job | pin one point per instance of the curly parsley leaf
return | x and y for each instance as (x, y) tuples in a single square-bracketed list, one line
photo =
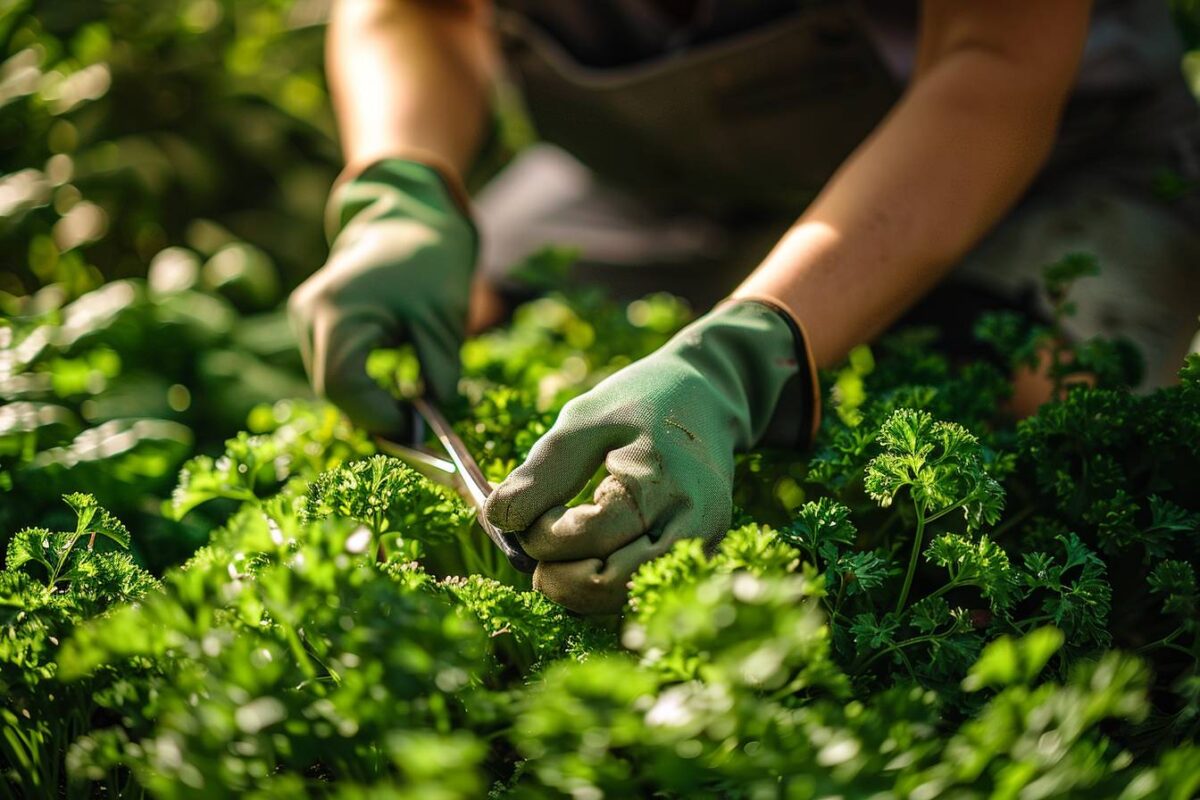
[(821, 528), (387, 496)]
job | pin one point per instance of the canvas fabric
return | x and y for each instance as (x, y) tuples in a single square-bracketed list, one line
[(665, 429), (399, 271)]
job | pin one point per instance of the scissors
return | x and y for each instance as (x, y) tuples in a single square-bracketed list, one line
[(461, 472)]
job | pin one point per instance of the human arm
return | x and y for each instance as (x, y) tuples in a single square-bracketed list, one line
[(409, 81), (410, 77), (964, 142)]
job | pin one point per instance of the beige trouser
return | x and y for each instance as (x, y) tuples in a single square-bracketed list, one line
[(1149, 250)]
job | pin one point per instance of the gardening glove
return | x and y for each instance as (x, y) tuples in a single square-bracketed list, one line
[(666, 428), (399, 271)]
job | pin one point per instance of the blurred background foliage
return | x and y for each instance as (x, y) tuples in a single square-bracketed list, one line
[(127, 127), (164, 170), (1187, 14)]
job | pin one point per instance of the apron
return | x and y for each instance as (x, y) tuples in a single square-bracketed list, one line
[(756, 121)]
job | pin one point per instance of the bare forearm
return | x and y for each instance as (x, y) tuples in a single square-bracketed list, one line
[(946, 164), (409, 76)]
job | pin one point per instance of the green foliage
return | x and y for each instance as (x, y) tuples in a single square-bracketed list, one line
[(142, 124), (1025, 344), (527, 630), (982, 564), (294, 440), (614, 727), (51, 582), (247, 460), (389, 497), (1175, 581), (310, 660), (942, 466), (55, 550), (750, 548), (940, 463), (821, 528), (558, 346), (1077, 595), (164, 168), (867, 640)]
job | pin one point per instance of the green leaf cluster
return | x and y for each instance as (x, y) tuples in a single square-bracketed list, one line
[(926, 606), (165, 166)]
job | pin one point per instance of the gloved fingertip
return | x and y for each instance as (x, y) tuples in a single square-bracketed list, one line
[(504, 508), (584, 586), (591, 530), (559, 466)]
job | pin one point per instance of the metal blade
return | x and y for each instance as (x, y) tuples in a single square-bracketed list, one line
[(439, 470), (475, 482)]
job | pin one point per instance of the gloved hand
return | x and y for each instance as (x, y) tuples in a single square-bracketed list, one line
[(666, 428), (399, 271)]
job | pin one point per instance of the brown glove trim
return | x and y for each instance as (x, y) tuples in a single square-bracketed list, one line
[(449, 175), (810, 383)]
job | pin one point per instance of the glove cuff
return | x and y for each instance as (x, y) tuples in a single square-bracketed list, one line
[(417, 172), (797, 413)]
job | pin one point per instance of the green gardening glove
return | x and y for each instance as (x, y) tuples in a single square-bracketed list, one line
[(666, 428), (399, 272)]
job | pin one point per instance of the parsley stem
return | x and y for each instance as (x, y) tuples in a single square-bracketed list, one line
[(897, 647), (912, 673), (837, 604), (62, 561), (948, 509), (1163, 642), (298, 652), (912, 560), (946, 587)]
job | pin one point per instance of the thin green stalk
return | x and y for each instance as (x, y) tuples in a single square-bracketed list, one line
[(949, 509), (912, 561), (298, 651), (332, 673), (944, 588), (837, 604), (912, 673), (898, 646), (62, 561), (470, 556), (1165, 642)]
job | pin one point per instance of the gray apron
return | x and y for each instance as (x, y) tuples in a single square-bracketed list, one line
[(756, 121)]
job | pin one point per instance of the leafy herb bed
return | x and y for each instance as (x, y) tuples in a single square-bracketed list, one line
[(936, 602)]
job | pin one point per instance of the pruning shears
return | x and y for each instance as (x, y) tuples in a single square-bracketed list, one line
[(461, 472)]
